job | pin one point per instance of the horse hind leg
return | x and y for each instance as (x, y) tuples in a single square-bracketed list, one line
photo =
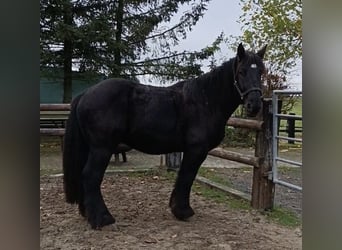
[(94, 207)]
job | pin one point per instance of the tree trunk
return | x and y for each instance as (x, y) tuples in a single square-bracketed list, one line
[(68, 49), (118, 38)]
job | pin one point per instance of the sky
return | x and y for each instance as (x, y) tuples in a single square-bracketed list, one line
[(222, 16)]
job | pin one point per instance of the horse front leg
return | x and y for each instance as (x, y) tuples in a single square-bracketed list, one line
[(180, 197), (92, 176)]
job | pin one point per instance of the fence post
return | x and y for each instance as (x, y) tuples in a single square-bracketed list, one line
[(263, 188), (173, 161), (291, 127)]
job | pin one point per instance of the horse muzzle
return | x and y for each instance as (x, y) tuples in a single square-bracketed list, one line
[(253, 103)]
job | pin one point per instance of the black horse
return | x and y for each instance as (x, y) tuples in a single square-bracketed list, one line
[(189, 117)]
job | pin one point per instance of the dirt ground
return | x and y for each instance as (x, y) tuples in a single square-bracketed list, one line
[(140, 205)]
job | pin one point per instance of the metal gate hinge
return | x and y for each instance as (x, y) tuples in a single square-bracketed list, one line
[(269, 175)]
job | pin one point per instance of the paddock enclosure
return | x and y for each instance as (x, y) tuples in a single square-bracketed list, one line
[(139, 201), (265, 160), (144, 220)]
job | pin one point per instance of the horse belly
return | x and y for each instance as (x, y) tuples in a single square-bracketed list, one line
[(154, 122), (152, 143)]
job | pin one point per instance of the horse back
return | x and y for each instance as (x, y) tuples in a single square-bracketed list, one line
[(156, 119), (144, 117)]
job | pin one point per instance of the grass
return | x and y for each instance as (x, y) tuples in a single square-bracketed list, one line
[(296, 109), (288, 170), (278, 215), (212, 193), (220, 197), (283, 217), (213, 175)]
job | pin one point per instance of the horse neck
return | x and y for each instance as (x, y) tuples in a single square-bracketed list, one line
[(219, 91)]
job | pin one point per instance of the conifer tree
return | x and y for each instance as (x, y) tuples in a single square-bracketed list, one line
[(121, 38)]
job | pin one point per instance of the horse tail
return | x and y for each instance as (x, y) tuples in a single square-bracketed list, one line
[(75, 154)]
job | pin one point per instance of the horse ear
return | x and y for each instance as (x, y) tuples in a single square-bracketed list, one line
[(262, 51), (241, 52)]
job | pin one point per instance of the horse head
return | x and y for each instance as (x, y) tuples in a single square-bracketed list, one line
[(248, 68)]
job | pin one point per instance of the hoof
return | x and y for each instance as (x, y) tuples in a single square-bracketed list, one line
[(101, 221), (182, 214), (82, 210)]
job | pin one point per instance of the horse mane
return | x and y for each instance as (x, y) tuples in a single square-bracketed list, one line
[(217, 83), (207, 86), (217, 76)]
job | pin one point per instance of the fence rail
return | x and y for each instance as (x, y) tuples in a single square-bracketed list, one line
[(233, 156), (53, 118), (52, 131), (262, 188), (245, 123), (55, 107), (52, 123)]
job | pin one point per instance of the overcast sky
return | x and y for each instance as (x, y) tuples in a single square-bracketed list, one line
[(222, 16)]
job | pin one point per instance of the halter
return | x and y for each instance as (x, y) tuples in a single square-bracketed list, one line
[(242, 94)]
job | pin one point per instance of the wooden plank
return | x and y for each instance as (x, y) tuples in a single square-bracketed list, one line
[(55, 106), (245, 123), (54, 112), (234, 192), (53, 118), (233, 156), (52, 131), (117, 171)]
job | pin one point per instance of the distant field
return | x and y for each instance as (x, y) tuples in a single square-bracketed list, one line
[(297, 110)]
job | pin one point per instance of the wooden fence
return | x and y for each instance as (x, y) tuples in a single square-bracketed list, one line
[(262, 187), (53, 118)]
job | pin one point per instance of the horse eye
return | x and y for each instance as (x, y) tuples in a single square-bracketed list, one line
[(243, 72)]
